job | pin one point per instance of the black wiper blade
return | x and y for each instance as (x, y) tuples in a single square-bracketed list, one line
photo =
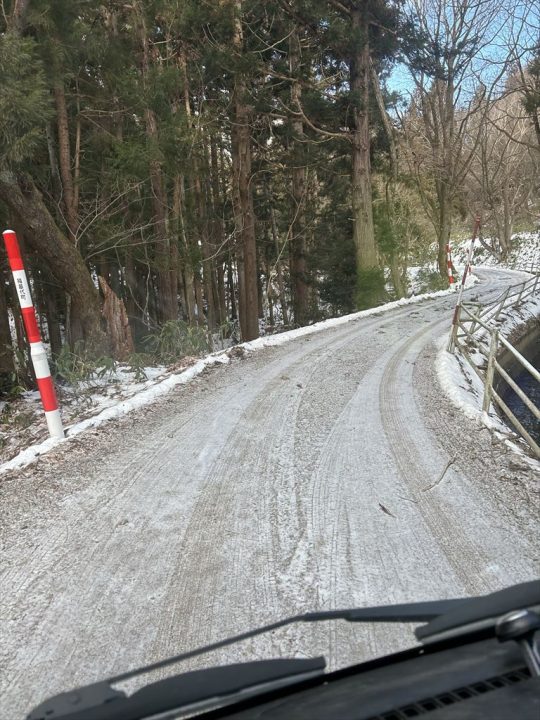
[(482, 610), (76, 703), (100, 702), (442, 615), (407, 612)]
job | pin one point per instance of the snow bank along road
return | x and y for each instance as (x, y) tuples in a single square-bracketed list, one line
[(301, 477)]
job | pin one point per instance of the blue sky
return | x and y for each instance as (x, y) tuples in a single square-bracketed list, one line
[(495, 52)]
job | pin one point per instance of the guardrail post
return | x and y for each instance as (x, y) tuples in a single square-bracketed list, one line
[(455, 325), (490, 370), (501, 306), (474, 323)]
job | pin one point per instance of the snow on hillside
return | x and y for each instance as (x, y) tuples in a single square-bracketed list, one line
[(525, 253)]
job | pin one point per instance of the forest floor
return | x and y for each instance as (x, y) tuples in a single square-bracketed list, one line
[(327, 472)]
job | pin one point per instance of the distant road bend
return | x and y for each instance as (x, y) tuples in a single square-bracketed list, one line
[(328, 472)]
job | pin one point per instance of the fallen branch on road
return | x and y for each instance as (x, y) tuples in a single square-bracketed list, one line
[(448, 464)]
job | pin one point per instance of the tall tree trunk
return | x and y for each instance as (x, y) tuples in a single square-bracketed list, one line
[(241, 291), (391, 184), (446, 182), (244, 215), (70, 193), (177, 215), (270, 293), (7, 366), (201, 211), (222, 302), (298, 223), (77, 161), (395, 275), (166, 275), (187, 272), (218, 231), (56, 181), (230, 286), (279, 272), (444, 227), (167, 284), (17, 19), (64, 157), (207, 264), (199, 298), (260, 290), (370, 282), (63, 259), (134, 312), (506, 235), (189, 293), (52, 315)]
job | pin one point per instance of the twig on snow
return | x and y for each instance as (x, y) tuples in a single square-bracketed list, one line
[(407, 499), (386, 510), (430, 487)]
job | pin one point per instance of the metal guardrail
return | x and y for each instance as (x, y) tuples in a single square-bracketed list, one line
[(532, 267), (473, 331)]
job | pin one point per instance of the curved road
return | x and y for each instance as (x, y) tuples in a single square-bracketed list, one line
[(301, 477)]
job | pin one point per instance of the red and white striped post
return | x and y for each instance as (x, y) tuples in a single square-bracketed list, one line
[(451, 279), (37, 350)]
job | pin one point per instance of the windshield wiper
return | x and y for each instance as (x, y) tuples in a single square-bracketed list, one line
[(100, 701), (480, 612), (84, 703)]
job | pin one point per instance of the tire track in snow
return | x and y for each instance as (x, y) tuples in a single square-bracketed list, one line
[(268, 461), (263, 498), (337, 456), (283, 539), (408, 452), (461, 516), (134, 484), (117, 581)]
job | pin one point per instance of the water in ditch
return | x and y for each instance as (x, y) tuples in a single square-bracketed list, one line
[(531, 388)]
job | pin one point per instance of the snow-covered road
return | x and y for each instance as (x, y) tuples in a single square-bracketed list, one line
[(301, 477)]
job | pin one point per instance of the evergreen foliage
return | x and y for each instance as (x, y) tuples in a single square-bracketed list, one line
[(25, 104)]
